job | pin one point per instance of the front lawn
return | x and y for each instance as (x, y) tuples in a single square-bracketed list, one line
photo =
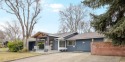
[(6, 56), (3, 49)]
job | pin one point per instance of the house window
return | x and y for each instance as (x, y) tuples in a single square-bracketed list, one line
[(71, 43), (62, 44)]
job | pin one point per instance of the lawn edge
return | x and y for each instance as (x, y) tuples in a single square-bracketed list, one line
[(23, 58), (29, 57)]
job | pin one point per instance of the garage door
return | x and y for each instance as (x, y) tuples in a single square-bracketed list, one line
[(83, 45), (31, 45)]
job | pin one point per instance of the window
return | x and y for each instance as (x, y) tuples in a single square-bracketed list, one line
[(62, 44), (70, 43)]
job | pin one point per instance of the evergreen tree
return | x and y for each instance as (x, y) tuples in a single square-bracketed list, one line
[(112, 22)]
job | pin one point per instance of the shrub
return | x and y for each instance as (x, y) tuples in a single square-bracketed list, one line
[(24, 50), (15, 46), (41, 45)]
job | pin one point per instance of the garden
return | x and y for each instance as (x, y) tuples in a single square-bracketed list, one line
[(15, 50)]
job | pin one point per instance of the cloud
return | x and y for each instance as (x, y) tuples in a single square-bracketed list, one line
[(56, 7), (48, 5)]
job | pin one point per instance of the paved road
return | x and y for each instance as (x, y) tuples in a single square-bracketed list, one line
[(71, 57)]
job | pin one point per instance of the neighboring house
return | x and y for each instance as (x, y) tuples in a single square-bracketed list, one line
[(66, 41)]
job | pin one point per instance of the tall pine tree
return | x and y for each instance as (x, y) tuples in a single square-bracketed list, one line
[(112, 22)]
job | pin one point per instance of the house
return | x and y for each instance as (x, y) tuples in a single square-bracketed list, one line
[(71, 41)]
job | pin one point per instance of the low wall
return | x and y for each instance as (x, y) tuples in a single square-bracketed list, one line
[(106, 48)]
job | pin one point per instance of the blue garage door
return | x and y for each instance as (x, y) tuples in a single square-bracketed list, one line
[(83, 45), (31, 45)]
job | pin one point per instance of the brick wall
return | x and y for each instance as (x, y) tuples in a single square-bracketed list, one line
[(106, 48)]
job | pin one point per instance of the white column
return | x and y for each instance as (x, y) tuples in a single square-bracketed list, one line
[(58, 44), (65, 43), (92, 40)]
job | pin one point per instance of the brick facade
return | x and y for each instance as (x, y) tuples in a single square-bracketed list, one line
[(106, 48)]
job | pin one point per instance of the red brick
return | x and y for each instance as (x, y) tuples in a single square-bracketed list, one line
[(106, 48)]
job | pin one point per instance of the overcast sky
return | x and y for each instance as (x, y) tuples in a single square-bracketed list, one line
[(50, 14)]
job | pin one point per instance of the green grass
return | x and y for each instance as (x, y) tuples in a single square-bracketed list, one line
[(3, 49), (6, 56)]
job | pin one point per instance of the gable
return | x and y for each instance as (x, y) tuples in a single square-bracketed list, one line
[(40, 35)]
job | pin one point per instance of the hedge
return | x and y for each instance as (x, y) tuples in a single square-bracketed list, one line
[(15, 46)]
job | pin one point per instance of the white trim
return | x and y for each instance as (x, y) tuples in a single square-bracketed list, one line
[(65, 43), (58, 44), (41, 39), (44, 44), (61, 48), (92, 40)]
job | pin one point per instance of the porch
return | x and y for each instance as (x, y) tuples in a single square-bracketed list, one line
[(41, 37), (50, 42)]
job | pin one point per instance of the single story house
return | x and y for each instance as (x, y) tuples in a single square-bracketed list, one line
[(71, 41)]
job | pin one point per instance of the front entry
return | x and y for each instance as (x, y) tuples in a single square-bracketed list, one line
[(41, 45)]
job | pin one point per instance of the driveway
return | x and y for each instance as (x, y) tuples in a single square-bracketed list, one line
[(70, 57)]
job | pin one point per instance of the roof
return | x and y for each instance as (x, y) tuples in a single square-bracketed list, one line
[(44, 34), (62, 35), (41, 34), (87, 36)]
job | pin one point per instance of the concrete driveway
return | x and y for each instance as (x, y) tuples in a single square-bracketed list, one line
[(71, 57)]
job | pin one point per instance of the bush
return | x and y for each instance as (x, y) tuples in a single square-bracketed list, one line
[(15, 46), (24, 50), (41, 45)]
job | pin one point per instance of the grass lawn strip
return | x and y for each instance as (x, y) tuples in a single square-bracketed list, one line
[(7, 56)]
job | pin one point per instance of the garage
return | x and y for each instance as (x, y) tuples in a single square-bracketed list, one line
[(31, 45), (85, 45), (83, 41)]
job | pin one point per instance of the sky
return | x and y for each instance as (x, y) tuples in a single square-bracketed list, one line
[(49, 21)]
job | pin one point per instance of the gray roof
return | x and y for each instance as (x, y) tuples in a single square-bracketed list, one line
[(59, 35), (62, 35), (87, 36)]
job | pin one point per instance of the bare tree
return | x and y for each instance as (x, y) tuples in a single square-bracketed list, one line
[(87, 27), (72, 19), (12, 31), (27, 13), (2, 36)]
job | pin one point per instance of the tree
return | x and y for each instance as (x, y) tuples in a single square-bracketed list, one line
[(72, 19), (27, 13), (2, 36), (12, 31), (112, 22), (87, 27)]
